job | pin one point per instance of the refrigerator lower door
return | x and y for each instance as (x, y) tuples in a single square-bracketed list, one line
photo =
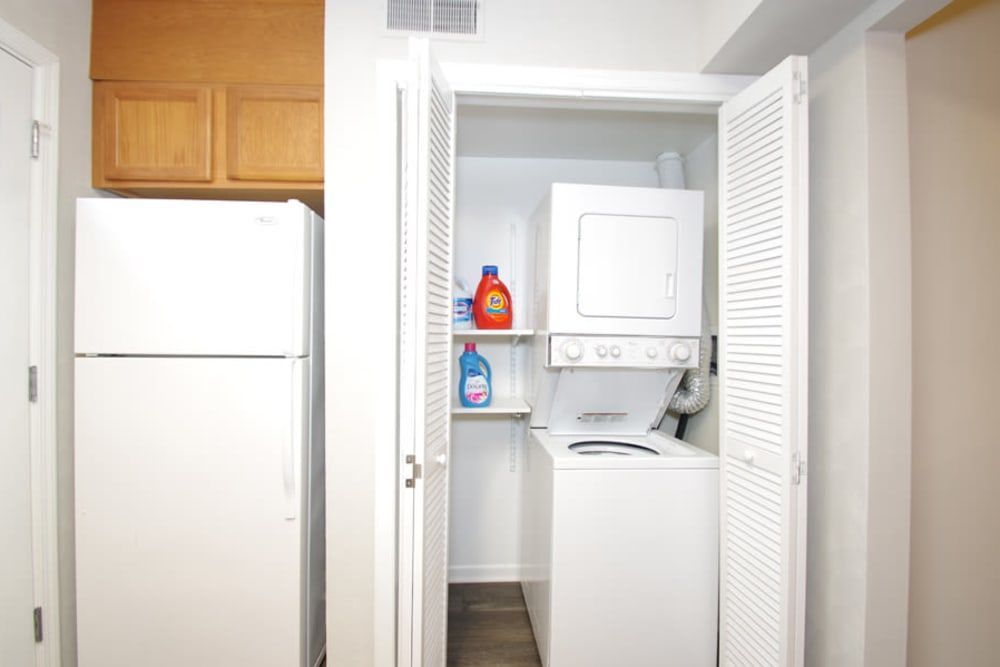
[(189, 502)]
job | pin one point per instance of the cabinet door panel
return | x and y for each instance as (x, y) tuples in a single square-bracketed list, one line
[(154, 132), (274, 133)]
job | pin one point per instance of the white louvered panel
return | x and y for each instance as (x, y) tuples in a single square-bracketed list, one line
[(760, 279), (762, 364), (746, 232), (759, 288), (425, 362), (436, 138), (741, 224)]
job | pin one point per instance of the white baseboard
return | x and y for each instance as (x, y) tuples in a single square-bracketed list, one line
[(479, 574)]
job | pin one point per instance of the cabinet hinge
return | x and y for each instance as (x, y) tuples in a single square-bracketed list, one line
[(798, 468), (799, 87), (417, 471), (33, 384), (36, 139), (37, 617)]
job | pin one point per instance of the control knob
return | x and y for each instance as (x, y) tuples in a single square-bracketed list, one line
[(680, 352), (601, 351), (572, 350), (616, 351)]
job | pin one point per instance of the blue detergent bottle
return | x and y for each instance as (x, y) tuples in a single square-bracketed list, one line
[(475, 380)]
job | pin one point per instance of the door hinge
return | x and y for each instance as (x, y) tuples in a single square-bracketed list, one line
[(798, 468), (799, 87), (36, 139), (411, 460), (33, 384), (37, 616)]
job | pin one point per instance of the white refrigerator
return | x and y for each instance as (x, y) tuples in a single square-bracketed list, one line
[(199, 434)]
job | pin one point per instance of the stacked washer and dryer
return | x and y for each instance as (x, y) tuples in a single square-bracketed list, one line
[(620, 521)]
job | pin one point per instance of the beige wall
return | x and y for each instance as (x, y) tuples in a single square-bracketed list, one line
[(63, 27), (859, 410), (953, 69)]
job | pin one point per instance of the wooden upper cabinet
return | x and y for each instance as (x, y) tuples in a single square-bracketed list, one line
[(274, 133), (235, 41), (153, 132), (208, 98)]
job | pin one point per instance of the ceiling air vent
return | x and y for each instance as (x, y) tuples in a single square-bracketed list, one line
[(441, 17)]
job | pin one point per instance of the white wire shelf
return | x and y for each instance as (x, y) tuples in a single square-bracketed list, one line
[(491, 334), (499, 406)]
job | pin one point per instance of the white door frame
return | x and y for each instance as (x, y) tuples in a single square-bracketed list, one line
[(42, 335), (495, 84)]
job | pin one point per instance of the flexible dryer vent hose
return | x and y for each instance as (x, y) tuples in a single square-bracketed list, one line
[(693, 394)]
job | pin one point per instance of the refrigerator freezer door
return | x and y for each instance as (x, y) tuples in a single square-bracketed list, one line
[(189, 501), (172, 277)]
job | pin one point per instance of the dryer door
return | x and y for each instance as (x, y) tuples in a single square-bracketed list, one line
[(628, 266), (621, 261)]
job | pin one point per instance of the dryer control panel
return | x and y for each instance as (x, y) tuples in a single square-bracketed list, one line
[(622, 351)]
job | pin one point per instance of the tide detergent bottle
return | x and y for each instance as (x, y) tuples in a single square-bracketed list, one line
[(491, 306), (475, 379)]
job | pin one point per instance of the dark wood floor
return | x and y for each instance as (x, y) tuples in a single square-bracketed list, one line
[(488, 625)]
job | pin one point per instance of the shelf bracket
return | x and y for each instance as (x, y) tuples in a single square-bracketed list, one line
[(515, 287)]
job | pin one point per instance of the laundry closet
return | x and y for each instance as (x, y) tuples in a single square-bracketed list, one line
[(475, 166), (507, 159)]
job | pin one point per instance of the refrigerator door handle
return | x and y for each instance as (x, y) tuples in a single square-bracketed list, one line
[(296, 437)]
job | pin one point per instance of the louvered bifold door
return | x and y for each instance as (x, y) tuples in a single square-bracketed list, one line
[(426, 244), (763, 255)]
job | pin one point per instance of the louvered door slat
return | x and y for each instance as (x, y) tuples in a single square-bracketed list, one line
[(762, 365)]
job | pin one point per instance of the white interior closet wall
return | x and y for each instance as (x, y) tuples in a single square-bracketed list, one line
[(495, 200)]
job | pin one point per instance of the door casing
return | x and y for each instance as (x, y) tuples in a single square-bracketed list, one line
[(538, 86), (42, 335)]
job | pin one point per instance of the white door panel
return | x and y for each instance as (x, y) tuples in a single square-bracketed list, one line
[(188, 523), (425, 362), (192, 278), (763, 288), (628, 266), (17, 645)]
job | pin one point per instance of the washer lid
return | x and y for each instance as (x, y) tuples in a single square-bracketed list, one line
[(608, 452)]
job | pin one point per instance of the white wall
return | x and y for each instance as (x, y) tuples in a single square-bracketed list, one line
[(719, 20), (361, 247), (953, 71), (748, 37), (63, 27), (493, 195), (860, 351)]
